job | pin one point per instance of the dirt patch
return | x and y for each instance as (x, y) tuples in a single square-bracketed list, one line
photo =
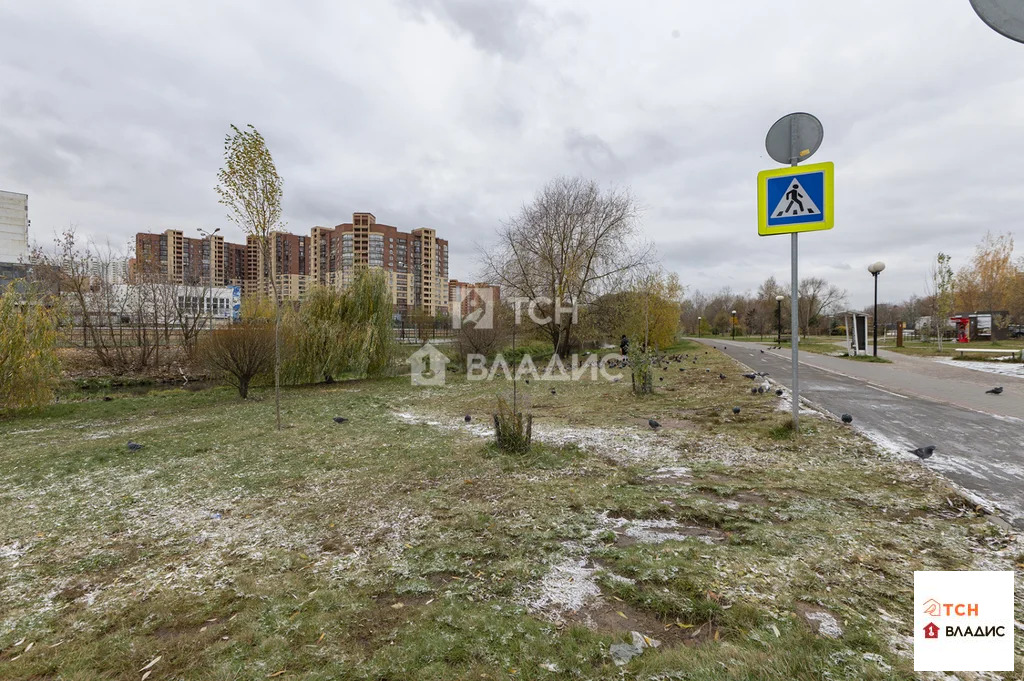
[(619, 618)]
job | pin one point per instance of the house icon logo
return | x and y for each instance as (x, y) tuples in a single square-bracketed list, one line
[(931, 630), (932, 607), (476, 308), (428, 366)]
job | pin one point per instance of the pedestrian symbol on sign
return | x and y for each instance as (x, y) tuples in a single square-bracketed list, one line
[(795, 202)]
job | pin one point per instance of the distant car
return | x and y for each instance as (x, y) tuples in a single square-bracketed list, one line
[(1017, 331)]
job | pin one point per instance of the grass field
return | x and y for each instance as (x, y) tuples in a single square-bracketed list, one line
[(401, 545)]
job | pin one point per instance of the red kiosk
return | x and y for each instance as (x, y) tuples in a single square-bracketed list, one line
[(963, 328)]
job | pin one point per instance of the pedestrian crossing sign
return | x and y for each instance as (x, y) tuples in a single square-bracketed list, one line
[(795, 199)]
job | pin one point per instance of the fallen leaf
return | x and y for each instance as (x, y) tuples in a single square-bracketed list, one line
[(151, 663), (716, 634), (621, 614), (29, 646), (270, 676), (775, 629), (322, 635), (396, 606), (146, 675)]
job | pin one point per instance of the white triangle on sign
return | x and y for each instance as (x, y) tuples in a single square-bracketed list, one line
[(795, 202)]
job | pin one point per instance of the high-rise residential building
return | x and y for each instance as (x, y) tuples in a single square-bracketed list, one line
[(416, 262), (181, 259), (13, 235), (290, 255)]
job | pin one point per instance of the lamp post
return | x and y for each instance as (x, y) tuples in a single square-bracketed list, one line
[(698, 326), (734, 324), (875, 269), (778, 315), (209, 296)]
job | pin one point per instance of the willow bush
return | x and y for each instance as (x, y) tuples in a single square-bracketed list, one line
[(29, 367), (337, 332)]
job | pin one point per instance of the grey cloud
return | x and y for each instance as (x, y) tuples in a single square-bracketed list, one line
[(504, 27)]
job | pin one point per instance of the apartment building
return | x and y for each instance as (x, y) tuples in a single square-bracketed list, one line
[(290, 255), (416, 262), (179, 259)]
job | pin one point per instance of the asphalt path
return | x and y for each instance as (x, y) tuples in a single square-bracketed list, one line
[(915, 402)]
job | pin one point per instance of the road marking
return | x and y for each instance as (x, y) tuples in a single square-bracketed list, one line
[(887, 392)]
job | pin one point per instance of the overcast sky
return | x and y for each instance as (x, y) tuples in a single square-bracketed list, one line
[(451, 113)]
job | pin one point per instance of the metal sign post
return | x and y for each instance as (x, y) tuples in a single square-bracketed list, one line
[(791, 201)]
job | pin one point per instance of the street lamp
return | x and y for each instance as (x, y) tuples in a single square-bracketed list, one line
[(778, 315), (875, 269), (734, 324), (209, 295), (698, 326)]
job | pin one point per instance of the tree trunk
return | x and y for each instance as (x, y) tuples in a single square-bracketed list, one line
[(277, 360), (243, 387)]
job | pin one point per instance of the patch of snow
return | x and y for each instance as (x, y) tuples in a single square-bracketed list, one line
[(567, 586), (828, 626), (1015, 369), (879, 660)]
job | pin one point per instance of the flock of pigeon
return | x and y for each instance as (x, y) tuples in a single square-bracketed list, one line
[(664, 363)]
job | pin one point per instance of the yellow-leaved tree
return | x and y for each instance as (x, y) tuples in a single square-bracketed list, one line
[(29, 367)]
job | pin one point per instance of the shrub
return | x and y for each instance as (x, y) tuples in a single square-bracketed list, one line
[(512, 430), (241, 352), (29, 367)]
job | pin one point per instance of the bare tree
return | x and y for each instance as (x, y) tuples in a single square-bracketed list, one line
[(250, 187), (566, 248), (818, 298)]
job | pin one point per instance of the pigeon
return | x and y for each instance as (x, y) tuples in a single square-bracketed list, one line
[(750, 376), (762, 352), (846, 418), (340, 419), (653, 424), (995, 391), (779, 392), (553, 391), (468, 418), (753, 391), (735, 410), (721, 376), (760, 390), (107, 398), (661, 378), (527, 381), (707, 371), (923, 452), (134, 446), (682, 369)]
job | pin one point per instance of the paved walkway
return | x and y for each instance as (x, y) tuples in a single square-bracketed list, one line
[(913, 402)]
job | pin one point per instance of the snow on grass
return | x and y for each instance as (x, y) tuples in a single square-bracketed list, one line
[(620, 445), (1015, 369), (567, 586)]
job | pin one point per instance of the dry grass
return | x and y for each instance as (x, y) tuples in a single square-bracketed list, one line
[(403, 545)]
